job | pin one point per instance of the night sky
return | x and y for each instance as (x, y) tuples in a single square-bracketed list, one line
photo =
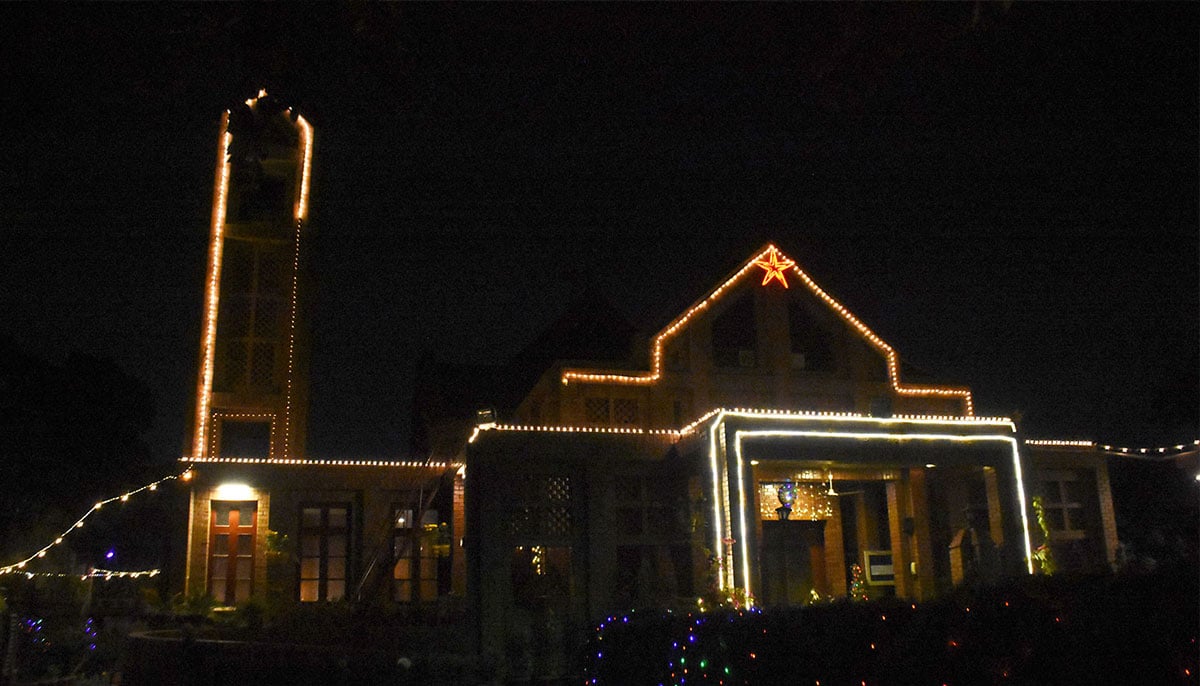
[(1006, 195)]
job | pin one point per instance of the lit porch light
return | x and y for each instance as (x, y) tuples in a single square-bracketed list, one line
[(231, 491)]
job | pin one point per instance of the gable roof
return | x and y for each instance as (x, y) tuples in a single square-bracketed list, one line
[(776, 266)]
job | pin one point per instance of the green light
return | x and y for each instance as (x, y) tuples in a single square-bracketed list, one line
[(703, 664)]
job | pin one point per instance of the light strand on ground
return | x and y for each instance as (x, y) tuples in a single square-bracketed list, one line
[(19, 567)]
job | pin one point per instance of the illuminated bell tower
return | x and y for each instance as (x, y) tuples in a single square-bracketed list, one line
[(252, 386)]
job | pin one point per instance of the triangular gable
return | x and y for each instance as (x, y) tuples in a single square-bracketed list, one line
[(771, 265)]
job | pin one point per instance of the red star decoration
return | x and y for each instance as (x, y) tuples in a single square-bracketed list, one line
[(774, 268)]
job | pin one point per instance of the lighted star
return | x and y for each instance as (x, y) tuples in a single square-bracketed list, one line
[(774, 268)]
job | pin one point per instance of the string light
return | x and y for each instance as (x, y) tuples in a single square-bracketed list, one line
[(306, 134), (771, 252), (213, 290), (17, 567), (212, 295), (1154, 451), (323, 463)]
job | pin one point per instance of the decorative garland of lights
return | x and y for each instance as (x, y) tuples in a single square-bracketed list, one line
[(18, 567), (1058, 443), (655, 373), (691, 427), (212, 294), (726, 647), (105, 574), (212, 438), (321, 463)]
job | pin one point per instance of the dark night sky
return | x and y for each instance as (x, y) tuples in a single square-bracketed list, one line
[(1008, 197)]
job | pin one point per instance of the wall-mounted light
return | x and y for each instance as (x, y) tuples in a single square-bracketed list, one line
[(233, 492)]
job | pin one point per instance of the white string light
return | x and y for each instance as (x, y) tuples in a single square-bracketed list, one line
[(105, 574), (19, 567), (1159, 450)]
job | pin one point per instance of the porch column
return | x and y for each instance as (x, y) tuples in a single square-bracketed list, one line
[(995, 521), (896, 493), (835, 554), (922, 540)]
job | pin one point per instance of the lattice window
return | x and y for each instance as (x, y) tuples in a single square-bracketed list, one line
[(262, 366), (542, 508), (596, 411), (625, 411)]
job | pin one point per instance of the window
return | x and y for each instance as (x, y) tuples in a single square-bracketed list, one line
[(231, 551), (1062, 495), (416, 548), (596, 411), (245, 439), (734, 339), (542, 508), (324, 551), (812, 349), (617, 412), (253, 317)]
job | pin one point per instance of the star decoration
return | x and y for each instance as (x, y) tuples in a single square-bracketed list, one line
[(774, 268)]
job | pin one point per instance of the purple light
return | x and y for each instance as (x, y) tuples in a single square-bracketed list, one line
[(109, 554)]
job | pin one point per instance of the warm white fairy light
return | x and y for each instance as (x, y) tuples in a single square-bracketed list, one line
[(236, 416), (1158, 450), (306, 135), (1058, 443), (321, 463), (741, 435), (656, 354), (16, 567), (213, 290)]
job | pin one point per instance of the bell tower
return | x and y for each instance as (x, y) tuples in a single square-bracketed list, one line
[(252, 385)]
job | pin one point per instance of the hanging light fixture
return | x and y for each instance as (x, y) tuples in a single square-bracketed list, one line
[(786, 492)]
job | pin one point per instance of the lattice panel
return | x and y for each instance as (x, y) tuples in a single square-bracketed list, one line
[(556, 521), (596, 410), (558, 489), (262, 366), (624, 411)]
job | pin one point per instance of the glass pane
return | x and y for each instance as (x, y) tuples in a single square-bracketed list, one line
[(402, 590), (245, 543), (404, 519), (337, 546), (220, 567), (308, 591), (310, 517), (220, 592), (243, 591), (221, 514), (246, 515), (428, 568), (337, 518), (335, 568), (428, 589), (1073, 492), (402, 569), (335, 590), (220, 544), (1054, 518), (245, 568), (310, 568), (310, 546)]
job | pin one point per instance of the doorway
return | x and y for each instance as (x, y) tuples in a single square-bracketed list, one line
[(793, 562)]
